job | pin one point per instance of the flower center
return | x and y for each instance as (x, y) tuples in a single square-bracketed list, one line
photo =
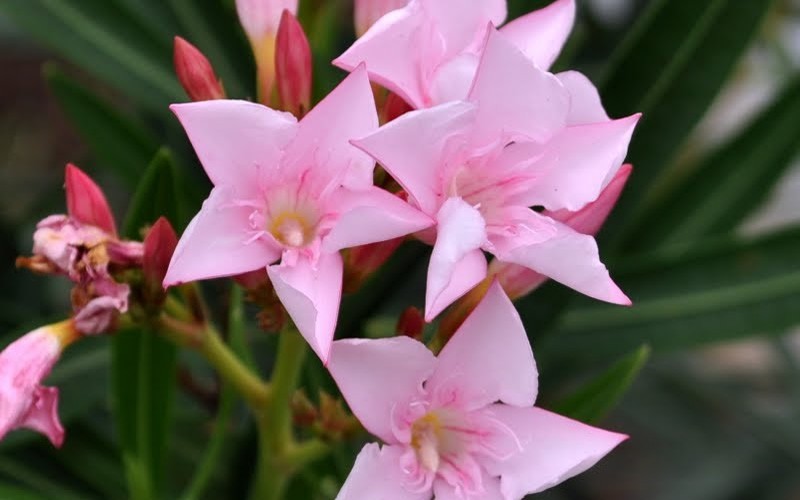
[(426, 434), (292, 229)]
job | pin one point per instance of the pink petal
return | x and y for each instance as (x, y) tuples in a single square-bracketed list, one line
[(453, 79), (261, 17), (515, 98), (554, 448), (457, 264), (579, 162), (43, 415), (542, 33), (379, 378), (378, 474), (234, 139), (324, 134), (491, 490), (219, 242), (463, 24), (434, 133), (390, 49), (489, 357), (311, 294), (559, 252), (86, 202), (372, 215), (585, 106)]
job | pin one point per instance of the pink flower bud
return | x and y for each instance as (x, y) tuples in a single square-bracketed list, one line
[(293, 66), (368, 11), (86, 202), (518, 281), (24, 402), (159, 245), (260, 20), (195, 72)]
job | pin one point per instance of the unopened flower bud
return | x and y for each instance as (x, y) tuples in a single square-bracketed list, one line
[(260, 20), (159, 245), (195, 72), (24, 402), (293, 66), (411, 323), (366, 12), (394, 107), (86, 202)]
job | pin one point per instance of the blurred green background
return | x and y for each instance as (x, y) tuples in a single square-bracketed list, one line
[(706, 239)]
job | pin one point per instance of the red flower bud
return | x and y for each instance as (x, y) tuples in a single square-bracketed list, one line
[(411, 323), (195, 72), (86, 202), (394, 107), (159, 245), (293, 66)]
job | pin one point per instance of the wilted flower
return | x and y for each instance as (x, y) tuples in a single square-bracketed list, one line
[(24, 402), (288, 191), (462, 425)]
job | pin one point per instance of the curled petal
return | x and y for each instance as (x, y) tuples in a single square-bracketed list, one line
[(219, 241), (489, 358), (42, 416), (585, 106), (541, 34), (553, 449), (311, 294), (457, 263)]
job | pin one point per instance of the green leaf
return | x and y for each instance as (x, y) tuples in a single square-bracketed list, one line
[(106, 39), (732, 181), (119, 143), (670, 67), (144, 364), (685, 296), (594, 400)]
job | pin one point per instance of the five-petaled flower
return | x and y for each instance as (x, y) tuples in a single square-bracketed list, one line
[(462, 425), (477, 166), (288, 191), (24, 402)]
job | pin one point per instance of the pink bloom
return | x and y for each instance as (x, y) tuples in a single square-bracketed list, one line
[(366, 12), (462, 425), (290, 192), (518, 281), (428, 51), (478, 166), (24, 402)]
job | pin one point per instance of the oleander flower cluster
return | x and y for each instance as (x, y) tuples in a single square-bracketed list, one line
[(449, 129)]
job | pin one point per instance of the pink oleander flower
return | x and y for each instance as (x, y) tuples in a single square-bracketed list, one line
[(83, 245), (260, 20), (476, 167), (461, 425), (288, 191), (428, 51), (366, 12), (24, 402)]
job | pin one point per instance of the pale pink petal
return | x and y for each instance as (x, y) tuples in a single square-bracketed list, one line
[(515, 98), (579, 162), (456, 263), (559, 252), (390, 49), (461, 25), (324, 134), (43, 415), (372, 215), (261, 17), (311, 294), (553, 449), (379, 378), (218, 242), (414, 147), (542, 33), (378, 475), (590, 218), (453, 79), (489, 358), (234, 140), (490, 490), (366, 12), (585, 106)]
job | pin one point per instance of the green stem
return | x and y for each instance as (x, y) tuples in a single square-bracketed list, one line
[(276, 441)]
